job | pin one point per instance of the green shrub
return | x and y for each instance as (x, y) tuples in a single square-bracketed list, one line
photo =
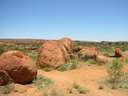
[(91, 61), (115, 73), (41, 82), (122, 83), (1, 50), (79, 89), (72, 64), (33, 55)]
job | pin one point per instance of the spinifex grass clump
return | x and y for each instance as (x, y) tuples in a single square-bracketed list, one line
[(115, 73), (42, 82), (33, 55), (79, 89), (72, 64), (91, 61)]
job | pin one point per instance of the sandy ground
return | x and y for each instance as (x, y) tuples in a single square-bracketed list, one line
[(89, 76)]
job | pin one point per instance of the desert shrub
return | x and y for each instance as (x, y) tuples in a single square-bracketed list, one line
[(106, 48), (47, 68), (79, 89), (41, 82), (117, 78), (115, 71), (32, 54), (1, 50), (91, 61), (72, 64), (7, 88), (122, 83)]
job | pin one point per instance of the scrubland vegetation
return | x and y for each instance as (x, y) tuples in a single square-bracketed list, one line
[(116, 78)]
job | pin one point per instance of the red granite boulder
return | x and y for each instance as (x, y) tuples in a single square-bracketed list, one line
[(118, 52), (18, 66), (88, 53), (4, 78), (52, 54), (67, 43)]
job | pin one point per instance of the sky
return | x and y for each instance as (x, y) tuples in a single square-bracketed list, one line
[(90, 20)]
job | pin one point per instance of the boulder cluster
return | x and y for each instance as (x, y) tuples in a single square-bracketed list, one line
[(92, 53), (17, 67)]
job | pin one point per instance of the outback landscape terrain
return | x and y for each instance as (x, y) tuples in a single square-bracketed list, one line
[(63, 68)]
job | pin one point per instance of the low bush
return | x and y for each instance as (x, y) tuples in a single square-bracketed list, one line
[(41, 82), (117, 78), (79, 89), (91, 61), (72, 64)]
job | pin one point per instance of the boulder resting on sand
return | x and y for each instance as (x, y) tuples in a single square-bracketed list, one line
[(118, 52), (18, 66), (88, 53), (102, 59), (52, 54), (124, 57)]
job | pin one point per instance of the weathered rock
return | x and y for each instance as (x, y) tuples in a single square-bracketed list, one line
[(68, 44), (125, 53), (102, 59), (124, 57), (19, 66), (4, 78), (118, 52), (52, 54), (55, 53), (88, 53)]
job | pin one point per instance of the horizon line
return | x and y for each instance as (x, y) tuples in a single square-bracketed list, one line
[(62, 37)]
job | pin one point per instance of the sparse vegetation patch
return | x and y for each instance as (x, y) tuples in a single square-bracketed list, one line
[(79, 89), (6, 89), (117, 78), (72, 64), (41, 82)]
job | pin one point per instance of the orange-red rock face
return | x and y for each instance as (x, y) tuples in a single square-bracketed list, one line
[(19, 66)]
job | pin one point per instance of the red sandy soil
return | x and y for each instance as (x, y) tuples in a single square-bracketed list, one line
[(88, 76)]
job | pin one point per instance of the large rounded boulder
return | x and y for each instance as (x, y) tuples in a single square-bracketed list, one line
[(52, 54), (18, 66)]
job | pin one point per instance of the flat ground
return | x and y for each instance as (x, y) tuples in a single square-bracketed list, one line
[(91, 77)]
